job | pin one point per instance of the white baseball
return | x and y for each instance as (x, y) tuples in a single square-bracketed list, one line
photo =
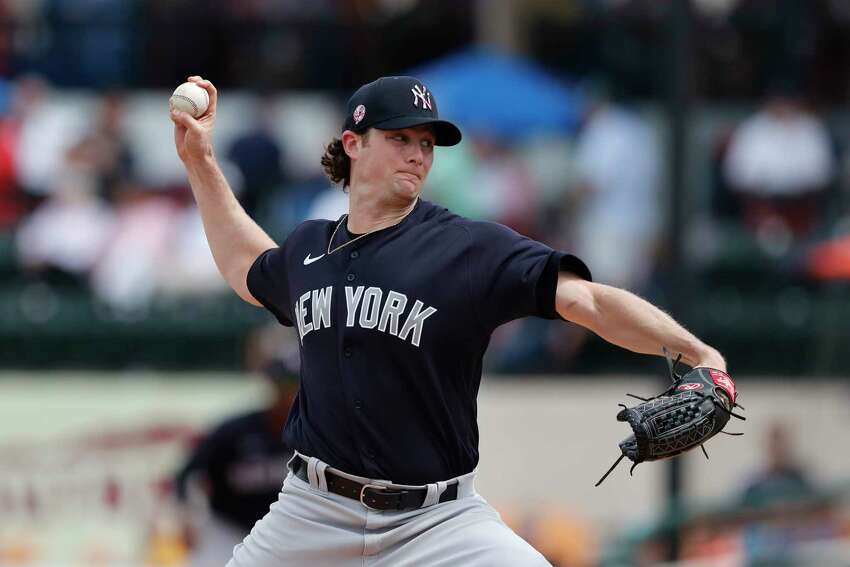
[(191, 99)]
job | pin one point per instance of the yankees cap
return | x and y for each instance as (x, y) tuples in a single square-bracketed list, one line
[(392, 103)]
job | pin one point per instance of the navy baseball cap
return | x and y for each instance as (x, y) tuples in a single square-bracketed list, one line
[(392, 103)]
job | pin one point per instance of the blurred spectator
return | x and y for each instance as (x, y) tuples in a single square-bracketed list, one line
[(73, 228), (779, 166), (104, 149), (66, 235), (782, 478), (450, 182), (258, 157), (47, 131), (167, 245), (503, 186), (126, 276), (239, 467), (330, 204), (485, 177), (786, 509), (187, 268), (616, 210)]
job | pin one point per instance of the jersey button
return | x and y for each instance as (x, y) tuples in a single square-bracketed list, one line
[(347, 353), (354, 254), (358, 404), (350, 277)]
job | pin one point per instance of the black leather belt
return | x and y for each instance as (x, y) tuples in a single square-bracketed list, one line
[(374, 496)]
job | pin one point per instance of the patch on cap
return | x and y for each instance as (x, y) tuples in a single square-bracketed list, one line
[(420, 93), (359, 113)]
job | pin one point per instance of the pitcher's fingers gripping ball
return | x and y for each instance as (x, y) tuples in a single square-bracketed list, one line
[(695, 408), (193, 134), (191, 99)]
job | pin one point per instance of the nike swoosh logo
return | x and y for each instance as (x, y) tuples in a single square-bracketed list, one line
[(308, 260)]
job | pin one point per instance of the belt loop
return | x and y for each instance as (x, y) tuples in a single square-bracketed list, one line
[(320, 474), (291, 463), (312, 477), (466, 485), (433, 494)]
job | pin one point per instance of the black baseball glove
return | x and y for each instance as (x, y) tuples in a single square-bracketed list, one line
[(695, 408)]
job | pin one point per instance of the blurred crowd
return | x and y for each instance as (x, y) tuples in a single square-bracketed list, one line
[(292, 44), (332, 44), (84, 207), (777, 175), (78, 211)]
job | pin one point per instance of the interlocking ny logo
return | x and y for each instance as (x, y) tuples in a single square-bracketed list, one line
[(421, 93)]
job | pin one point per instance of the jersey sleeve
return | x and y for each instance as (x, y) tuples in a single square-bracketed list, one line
[(513, 276), (268, 283)]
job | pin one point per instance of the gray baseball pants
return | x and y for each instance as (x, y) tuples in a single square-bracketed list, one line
[(312, 527)]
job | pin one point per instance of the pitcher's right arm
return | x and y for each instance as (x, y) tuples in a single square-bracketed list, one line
[(234, 238)]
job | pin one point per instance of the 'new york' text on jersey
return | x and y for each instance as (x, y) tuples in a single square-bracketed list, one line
[(368, 308)]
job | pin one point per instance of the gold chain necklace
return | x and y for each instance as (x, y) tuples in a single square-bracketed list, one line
[(345, 218), (346, 243)]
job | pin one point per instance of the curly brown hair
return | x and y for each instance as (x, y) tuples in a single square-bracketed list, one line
[(336, 163)]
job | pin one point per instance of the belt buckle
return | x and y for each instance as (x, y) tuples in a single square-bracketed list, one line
[(363, 494)]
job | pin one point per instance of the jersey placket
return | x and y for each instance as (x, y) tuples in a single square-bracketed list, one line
[(349, 355)]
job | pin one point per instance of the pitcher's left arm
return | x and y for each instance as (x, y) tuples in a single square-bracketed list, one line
[(626, 320)]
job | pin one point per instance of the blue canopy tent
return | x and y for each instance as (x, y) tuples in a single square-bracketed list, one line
[(500, 95)]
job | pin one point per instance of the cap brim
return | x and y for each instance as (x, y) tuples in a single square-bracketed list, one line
[(447, 134)]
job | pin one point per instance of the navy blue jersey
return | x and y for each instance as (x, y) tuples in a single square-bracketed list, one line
[(393, 328)]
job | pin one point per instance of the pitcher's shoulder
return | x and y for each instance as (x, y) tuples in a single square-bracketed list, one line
[(311, 229)]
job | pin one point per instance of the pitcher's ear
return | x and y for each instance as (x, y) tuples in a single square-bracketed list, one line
[(351, 143)]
